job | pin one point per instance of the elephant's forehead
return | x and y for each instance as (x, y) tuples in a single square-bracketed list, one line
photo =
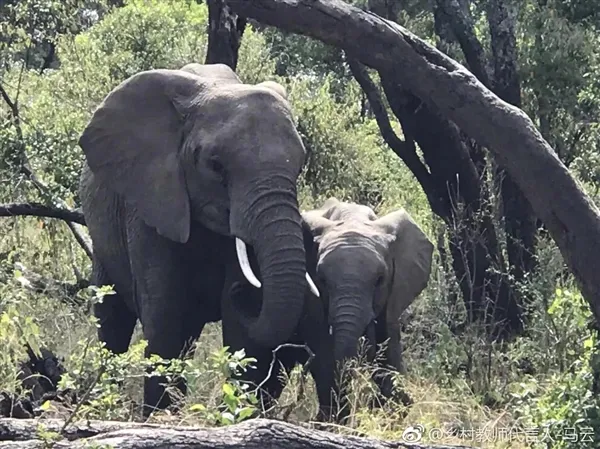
[(356, 237)]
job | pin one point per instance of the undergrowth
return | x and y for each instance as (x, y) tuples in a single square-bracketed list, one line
[(463, 388)]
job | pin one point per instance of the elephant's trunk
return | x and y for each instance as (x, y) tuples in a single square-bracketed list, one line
[(272, 226), (349, 319)]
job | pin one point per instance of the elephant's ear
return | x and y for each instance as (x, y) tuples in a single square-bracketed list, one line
[(411, 255), (315, 223), (132, 145), (276, 87)]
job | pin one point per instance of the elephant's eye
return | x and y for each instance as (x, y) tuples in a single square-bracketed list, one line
[(379, 281), (217, 168)]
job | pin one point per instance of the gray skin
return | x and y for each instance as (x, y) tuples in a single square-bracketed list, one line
[(368, 270), (178, 164)]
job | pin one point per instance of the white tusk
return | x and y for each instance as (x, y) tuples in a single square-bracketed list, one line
[(242, 253), (330, 330), (313, 287)]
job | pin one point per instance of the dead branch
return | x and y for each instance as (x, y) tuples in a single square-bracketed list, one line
[(40, 284), (41, 210)]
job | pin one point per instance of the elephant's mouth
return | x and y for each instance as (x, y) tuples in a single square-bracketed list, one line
[(241, 250)]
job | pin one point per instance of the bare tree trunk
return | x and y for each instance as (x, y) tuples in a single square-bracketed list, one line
[(570, 216), (252, 434), (477, 259), (458, 194), (519, 219), (225, 30)]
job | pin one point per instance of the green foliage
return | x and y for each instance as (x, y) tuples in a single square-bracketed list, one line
[(347, 157), (238, 401), (566, 403), (29, 27), (558, 64)]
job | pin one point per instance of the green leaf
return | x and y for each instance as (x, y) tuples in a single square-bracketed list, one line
[(197, 408), (245, 413), (228, 417), (228, 389)]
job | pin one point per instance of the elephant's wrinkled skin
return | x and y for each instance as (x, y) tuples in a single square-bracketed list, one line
[(178, 164), (368, 271)]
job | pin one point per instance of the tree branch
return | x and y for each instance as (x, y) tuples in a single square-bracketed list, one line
[(25, 168), (404, 149), (502, 23), (464, 31), (570, 216), (41, 210), (13, 107)]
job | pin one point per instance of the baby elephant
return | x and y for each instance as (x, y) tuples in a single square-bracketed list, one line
[(368, 271)]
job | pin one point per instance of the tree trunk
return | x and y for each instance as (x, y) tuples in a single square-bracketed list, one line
[(519, 219), (225, 30), (252, 434), (477, 258), (570, 216)]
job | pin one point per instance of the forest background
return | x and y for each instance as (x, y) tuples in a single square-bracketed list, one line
[(502, 338)]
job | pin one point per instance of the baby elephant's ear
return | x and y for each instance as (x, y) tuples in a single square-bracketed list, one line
[(132, 145), (276, 87), (411, 253), (316, 223)]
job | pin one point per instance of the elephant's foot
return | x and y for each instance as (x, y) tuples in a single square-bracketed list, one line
[(157, 397), (385, 382)]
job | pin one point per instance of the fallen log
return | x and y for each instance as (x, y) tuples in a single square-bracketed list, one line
[(251, 434)]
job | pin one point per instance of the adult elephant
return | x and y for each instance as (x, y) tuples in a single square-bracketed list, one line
[(368, 270), (179, 163)]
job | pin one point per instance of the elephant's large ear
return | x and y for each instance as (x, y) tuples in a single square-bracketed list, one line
[(314, 222), (314, 225), (132, 144), (411, 255)]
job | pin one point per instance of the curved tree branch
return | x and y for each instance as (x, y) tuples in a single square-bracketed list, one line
[(41, 210), (25, 168), (405, 149)]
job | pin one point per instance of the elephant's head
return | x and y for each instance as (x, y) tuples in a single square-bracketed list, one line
[(197, 145), (364, 264)]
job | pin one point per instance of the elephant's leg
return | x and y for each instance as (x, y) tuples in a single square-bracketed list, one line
[(392, 360), (313, 330), (116, 320), (323, 375), (166, 302)]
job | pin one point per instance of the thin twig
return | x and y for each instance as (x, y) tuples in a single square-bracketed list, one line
[(301, 389), (274, 359), (83, 399)]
